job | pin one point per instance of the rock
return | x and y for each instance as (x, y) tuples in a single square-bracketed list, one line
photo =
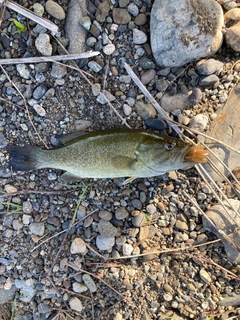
[(93, 65), (199, 122), (27, 292), (55, 10), (209, 67), (23, 71), (38, 9), (155, 124), (139, 220), (109, 49), (170, 103), (205, 276), (3, 141), (105, 215), (75, 32), (82, 125), (127, 249), (7, 295), (121, 213), (226, 129), (181, 225), (85, 22), (43, 45), (230, 301), (208, 81), (39, 110), (101, 99), (103, 9), (39, 92), (121, 16), (195, 97), (106, 229), (141, 19), (139, 37), (228, 4), (37, 228), (127, 109), (78, 246), (227, 222), (87, 279), (75, 304), (191, 32), (133, 9), (104, 243), (232, 37), (44, 308), (148, 76), (79, 287), (58, 71), (146, 63), (145, 110)]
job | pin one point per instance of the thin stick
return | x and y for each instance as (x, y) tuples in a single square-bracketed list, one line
[(83, 55), (32, 16)]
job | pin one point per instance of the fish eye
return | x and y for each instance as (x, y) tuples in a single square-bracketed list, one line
[(169, 146)]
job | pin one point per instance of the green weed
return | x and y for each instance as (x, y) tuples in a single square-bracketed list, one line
[(20, 26), (11, 208)]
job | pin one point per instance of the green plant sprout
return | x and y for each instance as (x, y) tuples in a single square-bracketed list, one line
[(20, 26)]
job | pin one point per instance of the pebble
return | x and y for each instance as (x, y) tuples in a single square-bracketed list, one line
[(79, 287), (103, 10), (155, 124), (146, 63), (104, 243), (127, 249), (27, 207), (101, 99), (26, 291), (205, 276), (78, 246), (43, 45), (145, 110), (121, 16), (133, 9), (75, 304), (148, 76), (109, 49), (82, 125), (181, 225), (139, 37), (127, 109), (94, 66), (37, 228), (141, 19), (3, 141), (55, 10), (85, 22), (23, 71), (196, 96), (208, 81), (118, 316), (199, 122), (39, 92), (151, 209), (209, 67), (44, 308), (39, 110), (232, 37), (106, 229), (105, 215), (87, 279), (121, 213), (58, 71), (139, 220), (38, 9)]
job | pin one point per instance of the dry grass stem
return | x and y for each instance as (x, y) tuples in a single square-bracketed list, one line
[(32, 16), (65, 57)]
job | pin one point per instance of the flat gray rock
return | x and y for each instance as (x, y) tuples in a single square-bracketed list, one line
[(226, 129), (185, 30), (75, 32), (227, 222)]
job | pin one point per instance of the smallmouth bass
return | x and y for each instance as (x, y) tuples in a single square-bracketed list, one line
[(111, 154)]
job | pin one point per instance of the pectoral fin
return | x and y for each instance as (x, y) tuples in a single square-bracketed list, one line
[(122, 163), (68, 177)]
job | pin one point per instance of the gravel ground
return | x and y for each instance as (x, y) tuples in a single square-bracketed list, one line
[(53, 271)]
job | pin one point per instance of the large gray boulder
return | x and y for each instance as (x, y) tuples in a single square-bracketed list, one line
[(185, 30)]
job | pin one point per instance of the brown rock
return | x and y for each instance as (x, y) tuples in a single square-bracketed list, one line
[(121, 16)]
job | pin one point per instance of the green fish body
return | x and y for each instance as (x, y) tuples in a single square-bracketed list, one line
[(107, 154)]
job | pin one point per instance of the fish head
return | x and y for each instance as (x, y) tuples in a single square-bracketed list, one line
[(167, 154)]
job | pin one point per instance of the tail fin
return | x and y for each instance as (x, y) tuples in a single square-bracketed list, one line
[(23, 158)]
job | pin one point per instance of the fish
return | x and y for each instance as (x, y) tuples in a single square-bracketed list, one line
[(115, 153)]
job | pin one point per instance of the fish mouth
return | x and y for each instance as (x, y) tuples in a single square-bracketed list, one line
[(196, 154)]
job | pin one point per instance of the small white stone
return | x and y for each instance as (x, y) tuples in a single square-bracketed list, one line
[(43, 45), (199, 122), (109, 49), (87, 279), (75, 304), (78, 246), (23, 71), (127, 249), (40, 110), (139, 37), (105, 243)]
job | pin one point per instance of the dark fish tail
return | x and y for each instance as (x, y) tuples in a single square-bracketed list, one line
[(23, 158)]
